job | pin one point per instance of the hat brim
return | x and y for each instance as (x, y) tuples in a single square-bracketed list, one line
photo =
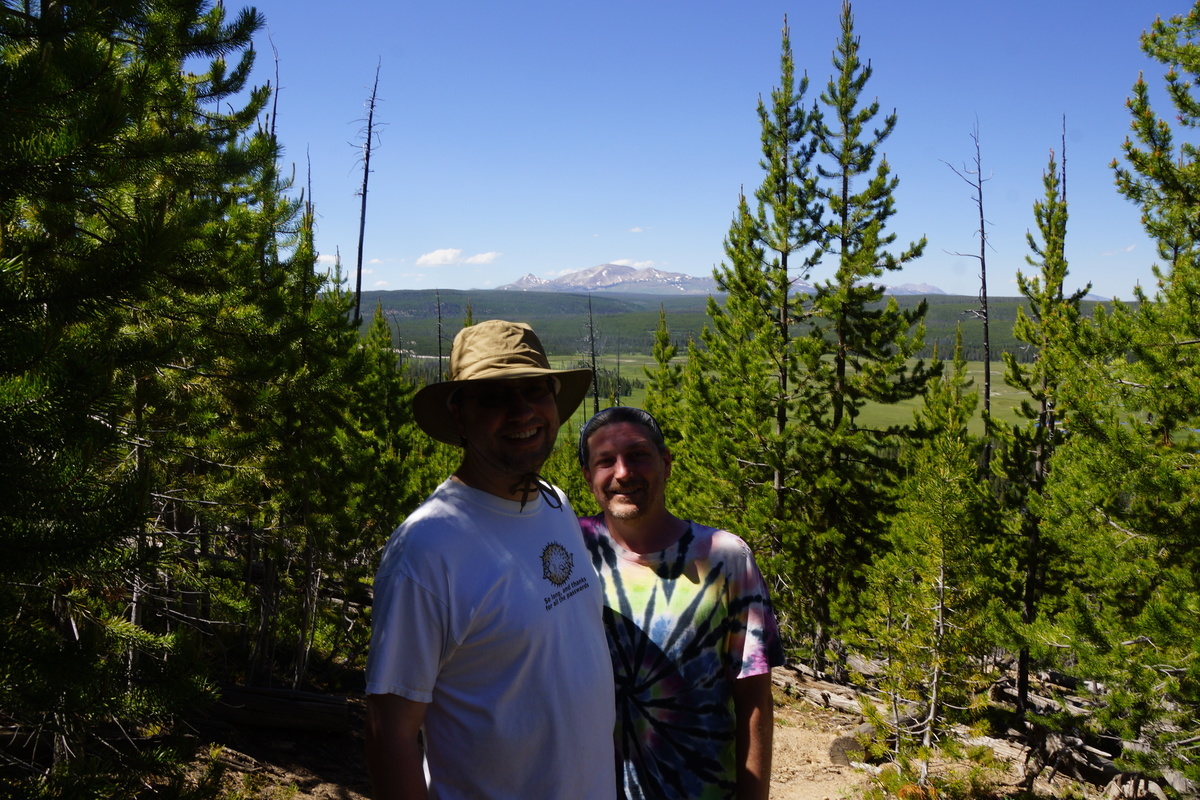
[(432, 411)]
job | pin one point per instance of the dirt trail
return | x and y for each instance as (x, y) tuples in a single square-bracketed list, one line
[(801, 769), (272, 764)]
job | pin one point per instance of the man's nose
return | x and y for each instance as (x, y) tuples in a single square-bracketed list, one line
[(517, 404)]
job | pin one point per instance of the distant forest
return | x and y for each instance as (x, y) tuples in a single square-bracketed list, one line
[(626, 323)]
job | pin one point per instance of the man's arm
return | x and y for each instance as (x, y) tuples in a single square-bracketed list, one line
[(755, 710), (393, 751)]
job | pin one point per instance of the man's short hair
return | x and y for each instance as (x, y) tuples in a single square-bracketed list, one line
[(619, 414)]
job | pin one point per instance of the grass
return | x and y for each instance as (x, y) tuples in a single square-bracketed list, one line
[(1005, 399)]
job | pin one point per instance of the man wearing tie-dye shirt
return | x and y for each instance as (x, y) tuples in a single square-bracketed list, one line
[(689, 622)]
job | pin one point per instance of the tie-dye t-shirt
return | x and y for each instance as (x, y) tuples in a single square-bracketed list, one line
[(682, 625)]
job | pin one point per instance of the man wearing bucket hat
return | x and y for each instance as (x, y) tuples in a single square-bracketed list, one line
[(486, 621)]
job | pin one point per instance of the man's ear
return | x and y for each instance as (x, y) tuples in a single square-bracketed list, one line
[(667, 462), (456, 412)]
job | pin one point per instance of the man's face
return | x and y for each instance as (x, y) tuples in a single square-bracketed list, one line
[(626, 472), (509, 426)]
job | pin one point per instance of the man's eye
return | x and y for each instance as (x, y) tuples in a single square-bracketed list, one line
[(497, 399), (537, 391)]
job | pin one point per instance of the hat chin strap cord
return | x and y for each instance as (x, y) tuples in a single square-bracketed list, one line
[(533, 483)]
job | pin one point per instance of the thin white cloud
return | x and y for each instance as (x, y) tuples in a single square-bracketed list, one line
[(1128, 249), (636, 230), (629, 262), (325, 258), (380, 284), (440, 258), (448, 256)]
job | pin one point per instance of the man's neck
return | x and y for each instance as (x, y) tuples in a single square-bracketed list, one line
[(506, 487), (651, 533)]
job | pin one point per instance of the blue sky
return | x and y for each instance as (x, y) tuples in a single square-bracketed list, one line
[(549, 136)]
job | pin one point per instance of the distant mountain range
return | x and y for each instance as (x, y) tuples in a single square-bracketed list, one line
[(618, 278), (913, 288)]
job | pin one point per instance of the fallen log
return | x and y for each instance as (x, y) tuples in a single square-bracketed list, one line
[(1077, 706), (819, 692), (1004, 749)]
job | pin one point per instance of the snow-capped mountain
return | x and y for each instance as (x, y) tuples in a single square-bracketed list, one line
[(913, 288), (617, 278), (621, 278)]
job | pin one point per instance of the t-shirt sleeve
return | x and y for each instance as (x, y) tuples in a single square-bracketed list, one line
[(410, 638), (756, 638)]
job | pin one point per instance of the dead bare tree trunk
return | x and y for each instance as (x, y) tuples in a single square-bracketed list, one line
[(367, 147), (974, 178), (441, 372), (591, 337), (617, 382)]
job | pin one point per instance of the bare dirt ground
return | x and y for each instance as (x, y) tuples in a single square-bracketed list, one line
[(276, 764), (801, 769)]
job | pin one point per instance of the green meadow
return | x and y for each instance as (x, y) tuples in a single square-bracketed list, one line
[(1005, 399), (624, 327)]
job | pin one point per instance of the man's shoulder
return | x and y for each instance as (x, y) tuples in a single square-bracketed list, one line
[(440, 504), (702, 531), (594, 531), (425, 530), (592, 525), (721, 541)]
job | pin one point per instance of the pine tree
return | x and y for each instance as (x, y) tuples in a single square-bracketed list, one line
[(860, 351), (925, 606), (383, 409), (1124, 494), (1051, 318), (664, 380), (743, 379), (118, 170), (782, 376), (872, 345), (309, 473)]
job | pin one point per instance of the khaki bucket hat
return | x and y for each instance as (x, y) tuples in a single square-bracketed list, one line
[(489, 351)]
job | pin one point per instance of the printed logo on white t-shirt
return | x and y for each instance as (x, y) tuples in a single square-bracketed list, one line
[(557, 563)]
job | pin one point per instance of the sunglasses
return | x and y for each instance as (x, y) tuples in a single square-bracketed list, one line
[(503, 393)]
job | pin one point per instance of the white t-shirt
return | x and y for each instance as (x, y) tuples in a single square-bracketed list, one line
[(492, 615)]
